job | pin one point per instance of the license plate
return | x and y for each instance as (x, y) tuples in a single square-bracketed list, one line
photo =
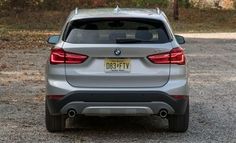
[(117, 65)]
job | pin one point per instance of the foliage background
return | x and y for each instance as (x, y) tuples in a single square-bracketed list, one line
[(21, 5), (51, 14)]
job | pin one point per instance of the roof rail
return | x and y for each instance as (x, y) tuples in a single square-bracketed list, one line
[(158, 10), (117, 9), (76, 10)]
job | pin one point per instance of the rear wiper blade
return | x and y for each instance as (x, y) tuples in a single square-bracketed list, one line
[(128, 41)]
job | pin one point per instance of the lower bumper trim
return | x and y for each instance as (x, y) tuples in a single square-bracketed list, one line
[(153, 100), (109, 109)]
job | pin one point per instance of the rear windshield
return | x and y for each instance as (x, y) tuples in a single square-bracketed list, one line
[(110, 31)]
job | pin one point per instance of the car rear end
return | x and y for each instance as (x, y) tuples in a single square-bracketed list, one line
[(116, 66)]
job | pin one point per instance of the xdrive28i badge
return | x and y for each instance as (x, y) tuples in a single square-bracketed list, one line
[(117, 52)]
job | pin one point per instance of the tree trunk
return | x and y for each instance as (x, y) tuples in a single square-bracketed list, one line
[(176, 10)]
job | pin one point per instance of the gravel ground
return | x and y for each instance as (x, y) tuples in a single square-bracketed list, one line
[(212, 71)]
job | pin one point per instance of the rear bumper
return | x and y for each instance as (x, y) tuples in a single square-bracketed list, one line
[(117, 103)]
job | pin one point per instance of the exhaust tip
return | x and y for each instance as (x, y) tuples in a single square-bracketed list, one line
[(71, 113), (163, 113)]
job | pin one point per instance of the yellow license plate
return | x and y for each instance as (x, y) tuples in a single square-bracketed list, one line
[(117, 65)]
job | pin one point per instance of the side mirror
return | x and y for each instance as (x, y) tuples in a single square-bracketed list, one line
[(53, 39), (180, 39)]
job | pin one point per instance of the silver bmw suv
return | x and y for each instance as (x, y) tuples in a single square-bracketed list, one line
[(117, 62)]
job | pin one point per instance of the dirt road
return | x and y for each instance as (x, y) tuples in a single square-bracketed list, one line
[(212, 71)]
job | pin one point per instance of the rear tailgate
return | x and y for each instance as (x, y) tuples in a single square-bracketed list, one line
[(141, 72)]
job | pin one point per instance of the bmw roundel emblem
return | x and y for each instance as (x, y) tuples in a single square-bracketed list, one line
[(117, 52)]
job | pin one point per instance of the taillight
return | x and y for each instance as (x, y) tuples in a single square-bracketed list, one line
[(59, 56), (175, 56), (72, 58)]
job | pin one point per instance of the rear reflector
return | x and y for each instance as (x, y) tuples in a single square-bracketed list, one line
[(180, 97), (59, 56), (175, 56), (54, 97)]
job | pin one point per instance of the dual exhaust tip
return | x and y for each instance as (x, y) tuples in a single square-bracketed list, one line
[(71, 113), (163, 113)]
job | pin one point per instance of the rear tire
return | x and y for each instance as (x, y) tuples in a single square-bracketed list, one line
[(54, 123), (179, 123)]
